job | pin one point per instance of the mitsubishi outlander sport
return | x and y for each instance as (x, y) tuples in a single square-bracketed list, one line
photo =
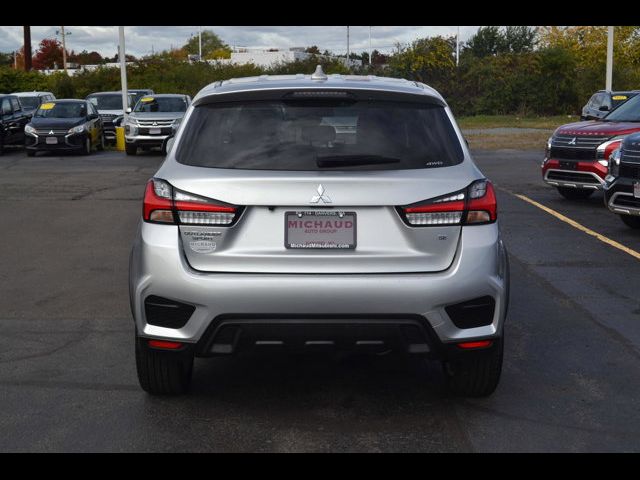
[(319, 213)]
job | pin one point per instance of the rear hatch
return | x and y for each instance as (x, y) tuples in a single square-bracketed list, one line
[(316, 186)]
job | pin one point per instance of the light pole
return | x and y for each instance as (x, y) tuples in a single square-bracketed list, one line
[(458, 47), (123, 72), (370, 58), (347, 46), (609, 76)]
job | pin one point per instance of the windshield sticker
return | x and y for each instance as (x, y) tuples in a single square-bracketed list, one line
[(619, 97), (47, 106), (147, 99)]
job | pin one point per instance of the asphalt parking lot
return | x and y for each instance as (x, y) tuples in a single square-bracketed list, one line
[(571, 380)]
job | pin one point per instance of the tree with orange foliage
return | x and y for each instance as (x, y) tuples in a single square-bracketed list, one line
[(49, 53)]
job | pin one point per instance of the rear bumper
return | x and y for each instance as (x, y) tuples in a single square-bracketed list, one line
[(344, 309), (588, 175)]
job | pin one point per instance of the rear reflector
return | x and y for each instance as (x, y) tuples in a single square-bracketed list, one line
[(165, 204), (472, 345), (165, 344)]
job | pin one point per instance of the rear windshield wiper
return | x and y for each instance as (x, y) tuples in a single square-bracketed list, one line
[(352, 160)]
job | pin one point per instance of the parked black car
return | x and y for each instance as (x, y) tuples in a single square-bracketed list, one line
[(65, 125), (13, 119), (622, 184), (603, 101)]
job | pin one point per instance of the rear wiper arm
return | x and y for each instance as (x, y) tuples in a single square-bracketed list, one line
[(349, 160)]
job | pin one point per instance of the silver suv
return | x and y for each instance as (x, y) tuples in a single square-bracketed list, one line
[(153, 120), (319, 213)]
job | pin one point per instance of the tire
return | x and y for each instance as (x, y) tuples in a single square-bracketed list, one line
[(86, 150), (630, 221), (31, 153), (130, 149), (475, 373), (163, 372), (1, 146), (575, 193)]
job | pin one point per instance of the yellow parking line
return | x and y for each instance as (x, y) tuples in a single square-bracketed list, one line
[(575, 224)]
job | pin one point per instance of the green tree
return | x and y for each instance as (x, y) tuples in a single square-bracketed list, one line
[(210, 43)]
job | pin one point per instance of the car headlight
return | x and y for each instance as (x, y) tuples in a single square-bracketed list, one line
[(614, 165), (29, 129), (176, 124), (78, 129)]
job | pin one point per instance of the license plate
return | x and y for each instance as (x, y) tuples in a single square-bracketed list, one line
[(51, 140), (569, 165), (636, 189), (154, 131), (321, 229)]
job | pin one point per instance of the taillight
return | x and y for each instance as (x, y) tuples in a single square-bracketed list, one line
[(476, 204), (165, 204)]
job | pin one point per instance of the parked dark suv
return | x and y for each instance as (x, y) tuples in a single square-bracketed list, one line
[(12, 121), (603, 101), (622, 184)]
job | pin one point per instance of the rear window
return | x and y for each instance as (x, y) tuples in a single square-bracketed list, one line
[(319, 135)]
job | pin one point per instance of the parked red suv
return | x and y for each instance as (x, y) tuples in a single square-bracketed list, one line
[(577, 155)]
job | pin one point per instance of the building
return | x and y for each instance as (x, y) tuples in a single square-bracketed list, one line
[(270, 57)]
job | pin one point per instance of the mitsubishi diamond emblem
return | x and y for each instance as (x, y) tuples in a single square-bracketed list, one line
[(50, 132), (320, 196), (155, 124), (572, 141)]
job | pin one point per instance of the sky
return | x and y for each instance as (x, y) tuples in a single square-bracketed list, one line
[(140, 41)]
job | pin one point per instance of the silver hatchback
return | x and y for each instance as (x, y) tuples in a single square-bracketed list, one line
[(319, 213)]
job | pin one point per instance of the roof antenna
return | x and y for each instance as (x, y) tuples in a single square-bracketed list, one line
[(318, 74)]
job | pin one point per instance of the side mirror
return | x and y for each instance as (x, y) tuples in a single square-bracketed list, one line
[(604, 108), (93, 116), (167, 144), (128, 110)]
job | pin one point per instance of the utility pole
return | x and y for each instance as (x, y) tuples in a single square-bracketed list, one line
[(609, 76), (370, 57), (199, 44), (458, 47), (27, 48), (64, 50), (123, 72), (348, 46)]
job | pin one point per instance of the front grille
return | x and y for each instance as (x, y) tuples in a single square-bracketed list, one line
[(473, 313), (563, 153), (107, 116), (577, 141), (575, 147), (579, 177), (629, 155), (167, 313), (50, 132), (629, 170), (155, 123)]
